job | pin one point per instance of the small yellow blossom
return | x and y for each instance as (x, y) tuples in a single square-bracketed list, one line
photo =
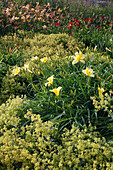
[(50, 80), (56, 91), (27, 16), (13, 18), (27, 6), (16, 70), (16, 18), (44, 27), (100, 90), (32, 9), (7, 10), (47, 15), (88, 72), (78, 57), (44, 60)]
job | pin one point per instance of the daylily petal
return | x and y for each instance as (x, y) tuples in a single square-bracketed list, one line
[(74, 62)]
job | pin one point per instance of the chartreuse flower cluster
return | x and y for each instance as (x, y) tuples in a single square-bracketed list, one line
[(38, 145), (103, 101)]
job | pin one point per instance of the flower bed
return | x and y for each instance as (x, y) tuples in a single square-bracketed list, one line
[(56, 96)]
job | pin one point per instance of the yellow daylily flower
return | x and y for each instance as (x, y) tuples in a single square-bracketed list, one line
[(50, 80), (26, 67), (88, 72), (78, 57), (44, 60), (56, 91), (16, 70)]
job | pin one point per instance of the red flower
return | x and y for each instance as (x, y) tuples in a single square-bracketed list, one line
[(71, 34), (69, 27), (90, 20), (75, 19), (71, 23), (101, 16), (56, 24), (51, 16), (86, 19), (99, 27), (77, 24)]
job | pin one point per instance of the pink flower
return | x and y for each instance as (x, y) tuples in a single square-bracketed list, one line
[(23, 17), (27, 6)]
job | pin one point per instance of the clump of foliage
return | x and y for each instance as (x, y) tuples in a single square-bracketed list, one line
[(56, 78), (41, 46), (38, 145), (56, 17), (12, 85), (52, 64), (3, 71)]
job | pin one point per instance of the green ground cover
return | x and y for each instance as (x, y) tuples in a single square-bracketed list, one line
[(56, 85)]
